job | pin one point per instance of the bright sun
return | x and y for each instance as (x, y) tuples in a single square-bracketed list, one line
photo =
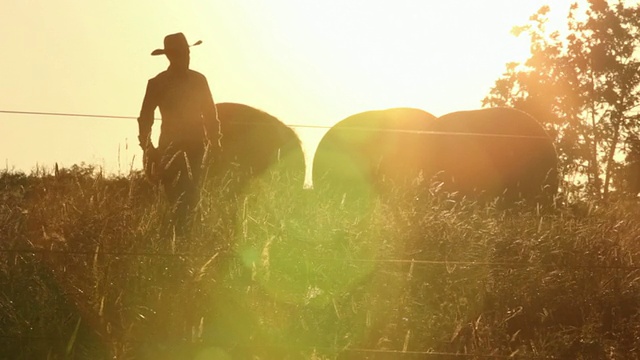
[(346, 57)]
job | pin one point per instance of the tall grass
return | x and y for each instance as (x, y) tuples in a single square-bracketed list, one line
[(89, 269)]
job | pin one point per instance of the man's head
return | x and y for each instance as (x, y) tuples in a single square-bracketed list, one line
[(176, 48)]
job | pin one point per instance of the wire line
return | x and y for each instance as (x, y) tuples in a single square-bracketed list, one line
[(326, 127), (66, 114), (395, 353), (355, 260)]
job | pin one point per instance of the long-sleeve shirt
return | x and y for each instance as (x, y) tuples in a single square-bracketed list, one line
[(188, 112)]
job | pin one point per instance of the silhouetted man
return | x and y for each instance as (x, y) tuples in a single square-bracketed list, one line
[(190, 130)]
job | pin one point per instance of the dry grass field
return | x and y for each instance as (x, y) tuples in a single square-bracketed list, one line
[(90, 270)]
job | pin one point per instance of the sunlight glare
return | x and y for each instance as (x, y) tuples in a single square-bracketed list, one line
[(348, 57)]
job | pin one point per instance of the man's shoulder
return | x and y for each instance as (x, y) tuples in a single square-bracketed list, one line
[(197, 75), (160, 77), (166, 76)]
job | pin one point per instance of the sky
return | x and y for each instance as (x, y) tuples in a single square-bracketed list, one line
[(305, 62)]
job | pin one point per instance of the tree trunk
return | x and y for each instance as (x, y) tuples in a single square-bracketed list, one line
[(594, 171), (610, 155)]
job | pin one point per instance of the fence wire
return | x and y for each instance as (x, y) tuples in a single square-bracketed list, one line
[(302, 126), (395, 353), (228, 255)]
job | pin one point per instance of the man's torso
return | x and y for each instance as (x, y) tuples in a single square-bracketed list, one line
[(180, 98)]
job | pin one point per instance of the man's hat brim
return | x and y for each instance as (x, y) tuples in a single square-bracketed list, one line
[(164, 51)]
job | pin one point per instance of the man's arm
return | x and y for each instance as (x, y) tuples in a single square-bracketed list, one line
[(145, 120)]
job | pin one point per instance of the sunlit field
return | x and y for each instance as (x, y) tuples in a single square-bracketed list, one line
[(90, 270)]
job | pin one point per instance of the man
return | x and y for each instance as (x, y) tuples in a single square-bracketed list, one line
[(190, 130)]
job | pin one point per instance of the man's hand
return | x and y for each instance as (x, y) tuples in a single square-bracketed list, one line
[(145, 142), (212, 151), (151, 163)]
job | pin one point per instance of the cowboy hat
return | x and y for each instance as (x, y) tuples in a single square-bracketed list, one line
[(174, 43)]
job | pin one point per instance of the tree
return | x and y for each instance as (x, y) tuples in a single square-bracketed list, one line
[(629, 177), (584, 86)]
